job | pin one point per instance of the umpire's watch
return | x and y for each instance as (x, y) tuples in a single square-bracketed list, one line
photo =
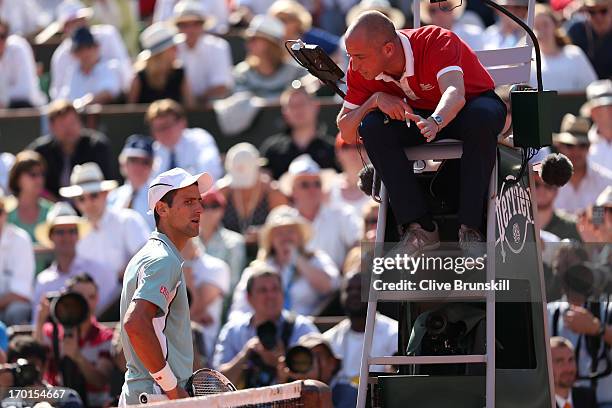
[(438, 119)]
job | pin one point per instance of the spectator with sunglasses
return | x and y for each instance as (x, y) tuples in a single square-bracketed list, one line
[(60, 233), (27, 183), (16, 270), (218, 241), (136, 164), (594, 35), (336, 229), (588, 180), (116, 234)]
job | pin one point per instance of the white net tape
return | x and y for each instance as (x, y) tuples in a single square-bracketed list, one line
[(282, 395)]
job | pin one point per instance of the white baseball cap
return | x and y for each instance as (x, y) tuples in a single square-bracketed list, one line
[(174, 179)]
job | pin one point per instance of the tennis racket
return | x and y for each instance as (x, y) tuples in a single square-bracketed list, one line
[(205, 381)]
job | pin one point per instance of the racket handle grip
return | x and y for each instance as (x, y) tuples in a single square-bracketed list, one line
[(145, 398)]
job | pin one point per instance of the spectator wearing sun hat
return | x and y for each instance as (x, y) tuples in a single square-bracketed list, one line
[(336, 229), (250, 194), (599, 108), (61, 232), (71, 15), (207, 58), (308, 277), (217, 9), (265, 72), (136, 161), (116, 234), (589, 179), (16, 270), (159, 72)]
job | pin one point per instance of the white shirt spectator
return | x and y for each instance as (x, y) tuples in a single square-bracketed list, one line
[(347, 344), (164, 10), (212, 271), (208, 64), (300, 296), (573, 200), (600, 151), (6, 163), (16, 261), (52, 280), (256, 6), (104, 77), (24, 16), (228, 246), (121, 197), (118, 236), (335, 230), (18, 72), (470, 34), (337, 200), (195, 152), (111, 47), (493, 38), (557, 76)]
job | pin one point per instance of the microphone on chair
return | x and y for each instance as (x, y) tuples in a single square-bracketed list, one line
[(556, 169)]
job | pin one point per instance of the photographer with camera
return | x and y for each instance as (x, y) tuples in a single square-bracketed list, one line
[(313, 358), (80, 358), (586, 323), (250, 344), (595, 224), (27, 360)]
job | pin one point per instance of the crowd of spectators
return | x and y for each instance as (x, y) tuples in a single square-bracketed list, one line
[(280, 232)]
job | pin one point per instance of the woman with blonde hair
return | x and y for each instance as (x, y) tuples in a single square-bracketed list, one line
[(565, 67), (308, 277), (159, 74), (265, 71)]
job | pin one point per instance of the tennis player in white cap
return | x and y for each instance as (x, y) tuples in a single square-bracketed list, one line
[(156, 331)]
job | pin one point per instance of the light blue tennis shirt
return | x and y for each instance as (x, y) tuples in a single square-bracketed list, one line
[(155, 274)]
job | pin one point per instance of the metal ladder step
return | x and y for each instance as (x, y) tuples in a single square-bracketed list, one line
[(404, 360)]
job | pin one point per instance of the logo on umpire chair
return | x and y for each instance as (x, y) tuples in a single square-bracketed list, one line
[(513, 214)]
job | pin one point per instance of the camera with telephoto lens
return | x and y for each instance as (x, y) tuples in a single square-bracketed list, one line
[(443, 338), (267, 335), (69, 309), (299, 359), (25, 374)]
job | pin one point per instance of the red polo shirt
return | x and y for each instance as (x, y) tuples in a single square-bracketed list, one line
[(430, 51)]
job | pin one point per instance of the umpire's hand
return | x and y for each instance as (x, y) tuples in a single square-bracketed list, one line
[(395, 107)]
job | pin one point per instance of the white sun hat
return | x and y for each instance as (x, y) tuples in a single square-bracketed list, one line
[(86, 178), (157, 38)]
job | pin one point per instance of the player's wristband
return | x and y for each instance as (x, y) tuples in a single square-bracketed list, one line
[(165, 378)]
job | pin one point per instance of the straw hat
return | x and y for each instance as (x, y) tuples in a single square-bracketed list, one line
[(60, 214), (457, 8), (242, 163), (596, 3), (599, 93), (86, 178), (394, 14), (304, 165), (66, 11), (193, 10), (9, 201), (574, 130), (293, 9), (281, 216), (158, 38), (268, 27)]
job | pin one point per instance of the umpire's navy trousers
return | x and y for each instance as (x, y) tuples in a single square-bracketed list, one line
[(477, 125)]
